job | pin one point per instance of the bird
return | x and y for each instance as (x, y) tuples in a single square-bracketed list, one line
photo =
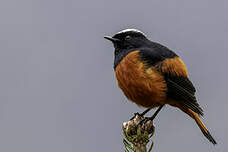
[(152, 75)]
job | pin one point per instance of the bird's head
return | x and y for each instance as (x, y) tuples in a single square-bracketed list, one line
[(128, 39)]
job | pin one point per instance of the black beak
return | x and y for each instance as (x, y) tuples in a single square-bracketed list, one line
[(114, 40)]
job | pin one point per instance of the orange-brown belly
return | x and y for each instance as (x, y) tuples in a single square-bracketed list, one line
[(144, 86)]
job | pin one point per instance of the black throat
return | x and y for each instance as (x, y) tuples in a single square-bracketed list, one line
[(120, 54)]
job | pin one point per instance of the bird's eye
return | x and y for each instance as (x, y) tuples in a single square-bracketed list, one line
[(128, 37)]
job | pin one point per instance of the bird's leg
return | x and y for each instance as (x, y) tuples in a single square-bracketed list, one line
[(141, 114), (156, 113), (152, 117)]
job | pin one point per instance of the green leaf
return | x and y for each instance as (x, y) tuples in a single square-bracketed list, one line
[(151, 146)]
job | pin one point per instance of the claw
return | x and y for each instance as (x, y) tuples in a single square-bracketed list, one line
[(135, 114), (143, 121)]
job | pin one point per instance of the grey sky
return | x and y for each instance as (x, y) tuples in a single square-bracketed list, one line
[(58, 92)]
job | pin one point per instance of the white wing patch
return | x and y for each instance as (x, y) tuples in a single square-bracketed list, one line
[(133, 30)]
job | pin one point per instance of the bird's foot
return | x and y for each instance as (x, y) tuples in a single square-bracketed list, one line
[(136, 114), (140, 114), (143, 121)]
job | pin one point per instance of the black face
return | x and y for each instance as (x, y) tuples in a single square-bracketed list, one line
[(127, 41)]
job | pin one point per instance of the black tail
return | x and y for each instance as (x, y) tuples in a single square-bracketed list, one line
[(209, 137)]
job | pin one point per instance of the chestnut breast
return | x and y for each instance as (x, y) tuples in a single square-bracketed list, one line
[(140, 84)]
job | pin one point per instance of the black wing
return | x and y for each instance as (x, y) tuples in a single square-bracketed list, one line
[(179, 87), (182, 90)]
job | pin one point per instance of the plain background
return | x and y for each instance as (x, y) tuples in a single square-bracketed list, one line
[(58, 91)]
